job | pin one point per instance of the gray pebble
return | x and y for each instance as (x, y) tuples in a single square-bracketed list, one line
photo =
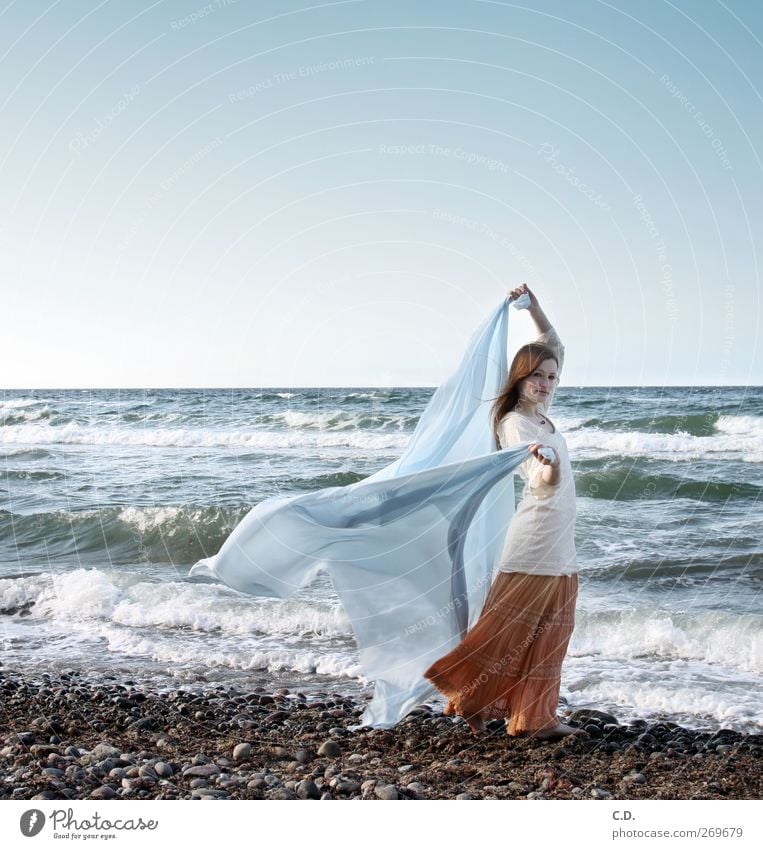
[(308, 790), (347, 788), (25, 737), (103, 792), (145, 723), (202, 770), (242, 751), (464, 796), (147, 771), (163, 769), (518, 787), (329, 749), (386, 791), (53, 773), (47, 794), (210, 793), (283, 793), (585, 714), (101, 751)]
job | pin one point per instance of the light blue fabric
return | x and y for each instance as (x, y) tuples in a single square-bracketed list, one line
[(411, 549)]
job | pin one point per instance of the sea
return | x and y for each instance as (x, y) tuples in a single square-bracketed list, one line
[(110, 495)]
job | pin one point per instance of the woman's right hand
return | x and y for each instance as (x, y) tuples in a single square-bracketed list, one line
[(521, 290)]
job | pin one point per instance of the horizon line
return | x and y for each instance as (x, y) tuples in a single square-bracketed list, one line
[(371, 386)]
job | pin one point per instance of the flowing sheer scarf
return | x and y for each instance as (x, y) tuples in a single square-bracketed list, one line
[(411, 549)]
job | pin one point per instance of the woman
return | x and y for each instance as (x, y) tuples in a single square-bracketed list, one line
[(509, 664)]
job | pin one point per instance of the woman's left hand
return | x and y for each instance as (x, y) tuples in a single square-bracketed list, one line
[(535, 451)]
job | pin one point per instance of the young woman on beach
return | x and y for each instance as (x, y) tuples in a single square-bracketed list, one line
[(509, 664)]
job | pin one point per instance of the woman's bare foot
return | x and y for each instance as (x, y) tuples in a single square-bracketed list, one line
[(560, 730), (476, 723)]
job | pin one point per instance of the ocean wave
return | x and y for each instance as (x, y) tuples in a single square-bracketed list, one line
[(19, 403), (84, 595), (162, 534), (694, 424), (340, 420), (625, 481), (23, 410), (732, 640)]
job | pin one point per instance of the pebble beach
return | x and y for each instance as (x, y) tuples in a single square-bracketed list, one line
[(62, 738)]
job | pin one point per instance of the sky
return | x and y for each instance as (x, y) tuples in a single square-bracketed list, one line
[(337, 194)]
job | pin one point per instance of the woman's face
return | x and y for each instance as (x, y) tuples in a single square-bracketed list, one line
[(538, 386)]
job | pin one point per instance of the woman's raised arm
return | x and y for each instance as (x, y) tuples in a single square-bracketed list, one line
[(546, 332)]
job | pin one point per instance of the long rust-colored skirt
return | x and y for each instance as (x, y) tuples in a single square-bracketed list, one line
[(509, 664)]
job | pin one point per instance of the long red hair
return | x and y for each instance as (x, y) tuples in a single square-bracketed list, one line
[(525, 361)]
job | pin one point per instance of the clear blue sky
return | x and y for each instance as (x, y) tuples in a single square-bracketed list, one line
[(298, 194)]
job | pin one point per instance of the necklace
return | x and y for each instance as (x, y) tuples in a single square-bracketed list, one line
[(542, 420)]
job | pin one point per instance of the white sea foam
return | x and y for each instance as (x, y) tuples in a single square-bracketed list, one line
[(699, 663), (73, 434), (744, 425), (145, 519), (26, 409), (333, 419), (177, 623), (738, 437), (681, 446), (734, 641), (655, 691), (339, 419), (240, 655), (84, 595), (16, 403)]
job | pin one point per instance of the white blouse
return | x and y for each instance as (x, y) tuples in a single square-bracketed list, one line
[(541, 536)]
